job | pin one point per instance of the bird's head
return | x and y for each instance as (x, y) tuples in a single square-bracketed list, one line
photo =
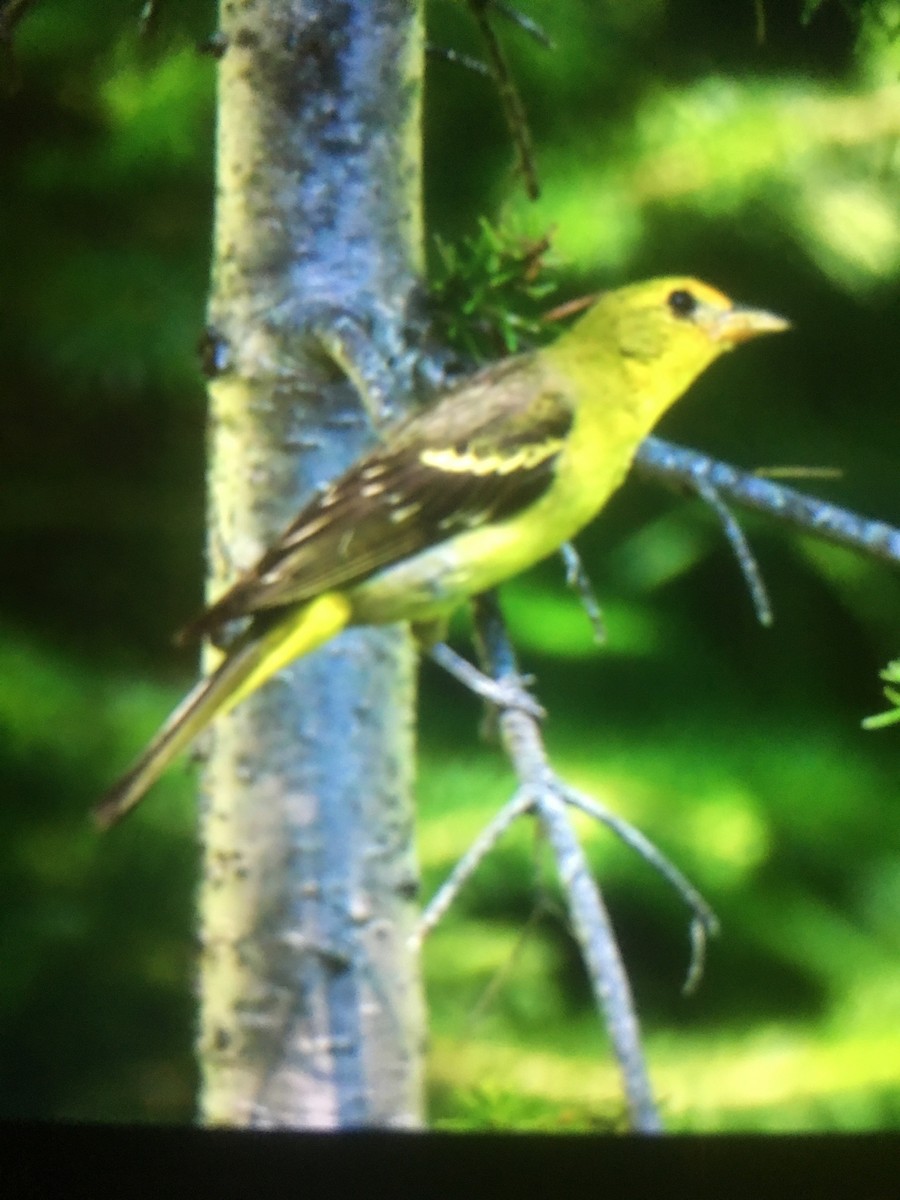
[(662, 334)]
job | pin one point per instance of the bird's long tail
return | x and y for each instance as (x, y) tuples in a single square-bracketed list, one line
[(254, 659)]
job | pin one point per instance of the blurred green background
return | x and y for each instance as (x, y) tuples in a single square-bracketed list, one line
[(758, 151)]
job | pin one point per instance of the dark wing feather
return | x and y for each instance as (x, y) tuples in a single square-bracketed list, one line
[(484, 452)]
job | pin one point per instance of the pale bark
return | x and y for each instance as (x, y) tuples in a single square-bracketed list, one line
[(311, 1006)]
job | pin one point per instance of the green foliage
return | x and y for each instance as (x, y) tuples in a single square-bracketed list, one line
[(108, 189), (784, 148), (792, 1025), (667, 139), (486, 290), (493, 1106), (891, 674), (785, 154)]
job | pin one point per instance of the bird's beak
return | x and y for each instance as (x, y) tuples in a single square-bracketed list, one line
[(740, 324)]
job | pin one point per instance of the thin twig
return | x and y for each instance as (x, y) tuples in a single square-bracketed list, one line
[(524, 22), (680, 469), (741, 548), (704, 922), (521, 802), (504, 971), (569, 308), (502, 693), (578, 578), (510, 100), (457, 58)]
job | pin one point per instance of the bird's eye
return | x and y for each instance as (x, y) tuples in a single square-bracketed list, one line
[(682, 303)]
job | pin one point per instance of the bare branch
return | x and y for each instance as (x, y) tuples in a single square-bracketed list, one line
[(520, 734), (522, 802), (510, 100), (578, 578), (593, 929), (497, 981), (704, 922), (502, 693), (457, 58), (681, 469), (741, 547), (524, 22)]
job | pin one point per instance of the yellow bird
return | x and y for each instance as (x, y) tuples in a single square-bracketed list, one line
[(496, 475)]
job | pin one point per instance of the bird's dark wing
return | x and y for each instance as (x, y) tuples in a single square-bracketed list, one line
[(484, 452)]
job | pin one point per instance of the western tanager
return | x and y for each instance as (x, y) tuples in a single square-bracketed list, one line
[(499, 473)]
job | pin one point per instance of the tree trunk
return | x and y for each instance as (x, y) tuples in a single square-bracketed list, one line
[(311, 1008)]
